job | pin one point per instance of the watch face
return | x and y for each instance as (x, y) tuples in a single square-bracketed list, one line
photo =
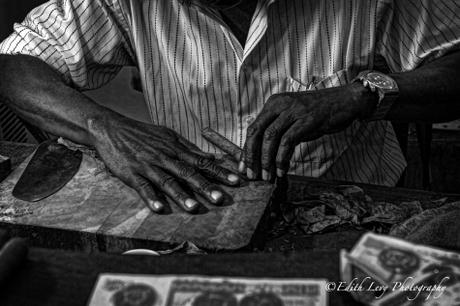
[(381, 80)]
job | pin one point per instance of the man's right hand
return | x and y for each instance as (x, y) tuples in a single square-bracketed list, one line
[(154, 159)]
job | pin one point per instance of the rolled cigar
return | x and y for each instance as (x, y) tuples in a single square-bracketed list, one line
[(12, 255), (222, 143)]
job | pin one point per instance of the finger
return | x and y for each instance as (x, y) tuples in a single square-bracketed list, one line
[(292, 137), (252, 147), (211, 169), (147, 194), (171, 187), (195, 180), (193, 148), (270, 144)]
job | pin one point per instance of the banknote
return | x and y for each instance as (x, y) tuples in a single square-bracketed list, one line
[(390, 259), (150, 290), (409, 274)]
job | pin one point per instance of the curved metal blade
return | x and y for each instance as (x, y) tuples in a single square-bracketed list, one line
[(50, 168)]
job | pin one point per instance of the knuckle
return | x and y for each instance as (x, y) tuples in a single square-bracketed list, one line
[(252, 130), (181, 155), (142, 184), (204, 163), (165, 180), (291, 117), (214, 171), (266, 161), (271, 133), (179, 195), (185, 171), (205, 186)]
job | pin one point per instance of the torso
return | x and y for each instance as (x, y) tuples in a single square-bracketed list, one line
[(197, 74)]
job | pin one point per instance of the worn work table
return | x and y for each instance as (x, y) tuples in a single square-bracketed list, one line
[(65, 277), (290, 239)]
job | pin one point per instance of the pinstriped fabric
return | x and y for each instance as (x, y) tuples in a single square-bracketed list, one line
[(54, 30), (195, 73)]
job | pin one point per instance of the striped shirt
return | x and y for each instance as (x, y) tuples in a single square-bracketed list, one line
[(195, 73)]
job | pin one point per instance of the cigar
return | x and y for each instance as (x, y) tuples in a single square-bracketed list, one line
[(222, 143), (12, 255)]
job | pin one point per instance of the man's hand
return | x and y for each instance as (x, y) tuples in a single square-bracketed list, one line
[(150, 159), (153, 159), (288, 119)]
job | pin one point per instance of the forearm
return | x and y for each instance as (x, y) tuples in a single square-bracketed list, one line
[(39, 95), (429, 93)]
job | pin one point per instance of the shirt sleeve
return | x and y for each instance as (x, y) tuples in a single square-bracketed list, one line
[(84, 40), (413, 32)]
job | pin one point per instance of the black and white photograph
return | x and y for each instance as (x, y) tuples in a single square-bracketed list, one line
[(229, 152)]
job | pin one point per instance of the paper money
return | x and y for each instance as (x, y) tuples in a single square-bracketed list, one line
[(410, 274), (150, 290)]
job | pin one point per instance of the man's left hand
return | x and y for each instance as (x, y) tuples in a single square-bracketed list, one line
[(287, 119)]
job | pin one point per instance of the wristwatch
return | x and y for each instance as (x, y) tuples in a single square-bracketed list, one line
[(386, 88)]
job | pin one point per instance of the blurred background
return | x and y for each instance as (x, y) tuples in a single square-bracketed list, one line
[(432, 151)]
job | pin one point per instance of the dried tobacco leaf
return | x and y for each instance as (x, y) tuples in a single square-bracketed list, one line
[(349, 204), (338, 203), (342, 207), (327, 222), (310, 216), (385, 213)]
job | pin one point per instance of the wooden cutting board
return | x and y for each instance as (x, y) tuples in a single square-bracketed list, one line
[(102, 213)]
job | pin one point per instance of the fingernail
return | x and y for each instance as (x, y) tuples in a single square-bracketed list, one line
[(266, 176), (250, 174), (232, 178), (216, 195), (190, 204), (156, 206), (280, 173), (242, 167)]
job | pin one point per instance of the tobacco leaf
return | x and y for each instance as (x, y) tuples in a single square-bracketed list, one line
[(313, 215), (327, 222), (349, 204), (385, 213)]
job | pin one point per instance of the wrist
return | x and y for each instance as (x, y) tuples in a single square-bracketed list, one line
[(98, 126), (364, 100)]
